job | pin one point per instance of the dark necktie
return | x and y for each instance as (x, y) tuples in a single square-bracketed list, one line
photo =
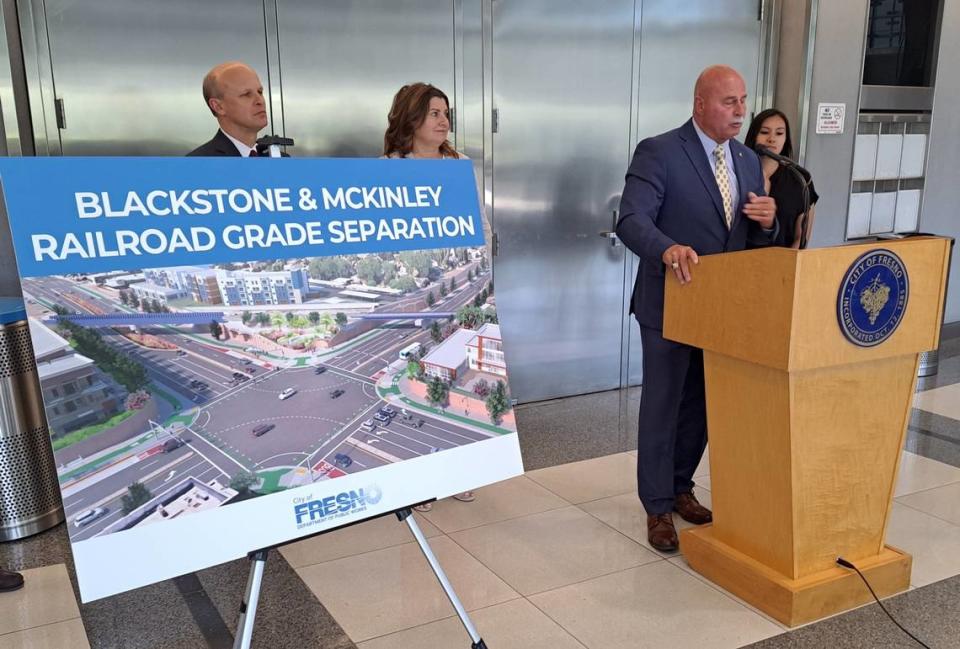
[(253, 154)]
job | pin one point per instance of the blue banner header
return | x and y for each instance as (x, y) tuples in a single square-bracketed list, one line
[(87, 215)]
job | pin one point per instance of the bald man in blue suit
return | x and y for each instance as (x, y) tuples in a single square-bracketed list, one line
[(691, 191)]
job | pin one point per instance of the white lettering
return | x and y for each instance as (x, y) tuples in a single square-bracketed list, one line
[(88, 205)]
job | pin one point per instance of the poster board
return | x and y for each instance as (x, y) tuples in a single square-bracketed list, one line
[(237, 353)]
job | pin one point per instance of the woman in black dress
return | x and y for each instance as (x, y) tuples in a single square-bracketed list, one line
[(771, 129)]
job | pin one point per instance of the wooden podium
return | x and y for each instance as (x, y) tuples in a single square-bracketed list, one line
[(805, 426)]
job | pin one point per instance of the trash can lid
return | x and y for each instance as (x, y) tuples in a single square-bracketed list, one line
[(11, 310)]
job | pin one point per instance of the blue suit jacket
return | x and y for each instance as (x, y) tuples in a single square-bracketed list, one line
[(671, 197)]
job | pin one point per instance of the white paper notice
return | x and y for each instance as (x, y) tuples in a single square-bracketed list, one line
[(830, 118)]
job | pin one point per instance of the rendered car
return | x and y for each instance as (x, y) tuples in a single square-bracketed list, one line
[(88, 516), (287, 393), (368, 425), (382, 418), (342, 460), (262, 429), (319, 369), (336, 393), (172, 444)]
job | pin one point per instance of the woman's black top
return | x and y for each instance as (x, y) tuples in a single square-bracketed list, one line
[(785, 188)]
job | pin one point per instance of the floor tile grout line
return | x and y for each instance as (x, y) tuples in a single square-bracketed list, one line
[(750, 607), (516, 593), (415, 626), (585, 580), (939, 518), (743, 604), (569, 632), (486, 567), (360, 554), (920, 491), (657, 553), (471, 612), (518, 596), (502, 520), (633, 541), (46, 624)]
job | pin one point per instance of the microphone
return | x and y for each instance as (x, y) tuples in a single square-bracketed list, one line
[(785, 161)]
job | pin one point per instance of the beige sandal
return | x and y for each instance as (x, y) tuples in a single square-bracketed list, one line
[(465, 497)]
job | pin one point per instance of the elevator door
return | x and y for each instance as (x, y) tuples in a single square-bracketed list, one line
[(677, 41), (129, 72), (561, 90), (341, 62)]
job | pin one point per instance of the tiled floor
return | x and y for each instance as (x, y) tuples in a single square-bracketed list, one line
[(43, 614), (558, 558)]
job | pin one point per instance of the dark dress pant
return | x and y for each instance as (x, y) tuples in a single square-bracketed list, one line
[(672, 427)]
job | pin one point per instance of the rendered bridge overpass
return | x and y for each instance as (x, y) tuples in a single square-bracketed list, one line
[(205, 317), (143, 319)]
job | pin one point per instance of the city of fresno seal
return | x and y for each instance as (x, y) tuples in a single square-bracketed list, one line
[(873, 298)]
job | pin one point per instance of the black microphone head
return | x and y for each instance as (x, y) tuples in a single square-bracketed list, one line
[(762, 150)]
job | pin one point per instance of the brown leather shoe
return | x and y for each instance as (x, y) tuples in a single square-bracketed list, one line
[(690, 510), (10, 580), (661, 533)]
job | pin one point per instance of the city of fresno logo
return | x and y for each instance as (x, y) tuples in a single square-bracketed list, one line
[(309, 511), (873, 298)]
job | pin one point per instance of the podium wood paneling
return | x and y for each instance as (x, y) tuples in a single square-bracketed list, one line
[(805, 427)]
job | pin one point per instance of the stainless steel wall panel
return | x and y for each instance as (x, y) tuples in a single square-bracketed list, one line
[(561, 74), (343, 60), (38, 76), (129, 72), (677, 41)]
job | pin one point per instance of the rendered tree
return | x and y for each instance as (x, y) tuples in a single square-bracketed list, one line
[(413, 370), (215, 329), (314, 317), (437, 391), (243, 482), (341, 318), (125, 297), (498, 403), (155, 305), (435, 333), (453, 284), (137, 494), (246, 317), (430, 299), (443, 290)]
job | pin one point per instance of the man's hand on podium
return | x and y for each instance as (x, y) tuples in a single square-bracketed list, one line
[(681, 259)]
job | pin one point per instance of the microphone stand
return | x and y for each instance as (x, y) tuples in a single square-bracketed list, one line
[(804, 184)]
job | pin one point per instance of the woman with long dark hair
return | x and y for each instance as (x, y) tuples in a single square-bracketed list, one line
[(771, 129)]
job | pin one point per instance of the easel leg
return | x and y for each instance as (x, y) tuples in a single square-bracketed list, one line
[(248, 608), (407, 515)]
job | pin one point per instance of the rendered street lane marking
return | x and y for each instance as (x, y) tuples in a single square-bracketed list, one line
[(372, 450), (200, 436)]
